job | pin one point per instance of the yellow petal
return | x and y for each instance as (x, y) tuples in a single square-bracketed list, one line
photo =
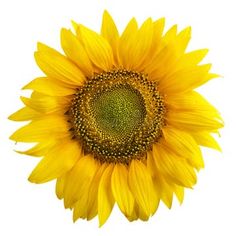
[(193, 121), (162, 189), (173, 166), (170, 35), (135, 213), (39, 149), (44, 48), (105, 198), (50, 126), (142, 215), (141, 186), (126, 43), (151, 164), (74, 49), (190, 78), (167, 188), (183, 145), (182, 40), (190, 111), (110, 33), (205, 139), (97, 47), (92, 208), (56, 162), (49, 87), (164, 186), (179, 192), (57, 66), (158, 27), (161, 63), (191, 59), (178, 41), (47, 104), (75, 26), (171, 49), (81, 206), (24, 114), (79, 179), (141, 44), (60, 184), (121, 191), (191, 101)]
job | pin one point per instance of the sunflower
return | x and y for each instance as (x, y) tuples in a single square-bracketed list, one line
[(116, 119)]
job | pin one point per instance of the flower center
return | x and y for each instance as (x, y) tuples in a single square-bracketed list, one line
[(118, 111), (117, 116)]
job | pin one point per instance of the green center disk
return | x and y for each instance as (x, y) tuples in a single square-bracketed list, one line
[(118, 111)]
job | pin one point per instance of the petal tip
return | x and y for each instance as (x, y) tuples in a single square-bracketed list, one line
[(74, 25), (32, 179), (11, 117), (13, 137)]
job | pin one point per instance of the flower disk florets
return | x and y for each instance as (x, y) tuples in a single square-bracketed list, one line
[(117, 115)]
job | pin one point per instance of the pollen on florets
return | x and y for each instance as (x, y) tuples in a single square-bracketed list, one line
[(117, 115)]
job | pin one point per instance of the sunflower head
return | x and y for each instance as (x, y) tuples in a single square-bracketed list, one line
[(116, 118)]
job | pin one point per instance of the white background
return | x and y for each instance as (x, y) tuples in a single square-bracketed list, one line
[(29, 209)]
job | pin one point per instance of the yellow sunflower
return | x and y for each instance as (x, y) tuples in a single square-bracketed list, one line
[(117, 120)]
